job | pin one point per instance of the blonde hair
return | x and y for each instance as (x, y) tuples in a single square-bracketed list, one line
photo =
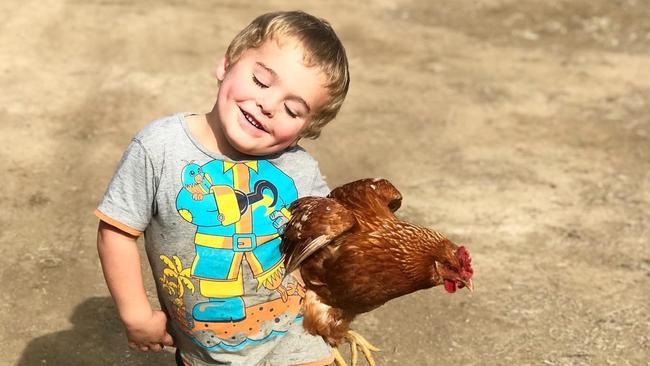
[(321, 46)]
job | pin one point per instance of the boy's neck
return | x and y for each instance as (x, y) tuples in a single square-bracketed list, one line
[(206, 128)]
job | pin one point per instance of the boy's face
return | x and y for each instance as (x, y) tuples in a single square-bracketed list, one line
[(268, 96)]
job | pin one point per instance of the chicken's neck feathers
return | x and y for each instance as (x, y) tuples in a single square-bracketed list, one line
[(417, 249)]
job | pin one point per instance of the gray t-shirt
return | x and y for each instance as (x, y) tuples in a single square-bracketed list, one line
[(212, 226)]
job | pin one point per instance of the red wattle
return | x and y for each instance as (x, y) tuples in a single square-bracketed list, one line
[(450, 286)]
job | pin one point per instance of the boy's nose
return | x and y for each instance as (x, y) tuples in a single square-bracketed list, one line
[(268, 103), (265, 110)]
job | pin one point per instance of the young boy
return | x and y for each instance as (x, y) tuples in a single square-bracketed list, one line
[(211, 195)]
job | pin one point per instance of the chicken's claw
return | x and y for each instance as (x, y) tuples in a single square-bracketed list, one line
[(357, 341), (338, 358)]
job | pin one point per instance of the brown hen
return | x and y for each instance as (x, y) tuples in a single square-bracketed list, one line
[(354, 255)]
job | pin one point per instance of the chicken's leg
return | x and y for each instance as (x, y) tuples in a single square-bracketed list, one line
[(357, 342)]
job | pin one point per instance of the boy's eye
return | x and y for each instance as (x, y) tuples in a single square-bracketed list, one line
[(291, 113), (259, 83)]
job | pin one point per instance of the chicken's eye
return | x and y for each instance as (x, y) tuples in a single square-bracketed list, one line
[(192, 173)]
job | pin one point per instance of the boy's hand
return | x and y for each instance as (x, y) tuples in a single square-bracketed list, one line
[(149, 334)]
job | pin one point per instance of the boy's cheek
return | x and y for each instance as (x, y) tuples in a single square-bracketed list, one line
[(291, 134)]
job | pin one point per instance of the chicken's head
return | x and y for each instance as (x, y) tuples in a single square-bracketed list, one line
[(456, 273)]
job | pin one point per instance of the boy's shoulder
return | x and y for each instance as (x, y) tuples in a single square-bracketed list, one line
[(296, 155), (298, 164), (161, 130)]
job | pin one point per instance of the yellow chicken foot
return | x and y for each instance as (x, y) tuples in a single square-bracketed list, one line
[(357, 342), (338, 358)]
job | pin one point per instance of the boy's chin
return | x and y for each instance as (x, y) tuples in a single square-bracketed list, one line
[(258, 151), (247, 149)]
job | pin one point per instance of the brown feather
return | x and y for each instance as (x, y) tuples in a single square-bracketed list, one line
[(315, 221), (354, 254)]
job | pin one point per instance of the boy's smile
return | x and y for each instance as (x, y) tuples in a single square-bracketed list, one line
[(253, 121), (267, 97)]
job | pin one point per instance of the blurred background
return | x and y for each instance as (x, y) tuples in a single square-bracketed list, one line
[(519, 128)]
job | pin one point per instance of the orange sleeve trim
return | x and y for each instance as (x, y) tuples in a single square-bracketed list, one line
[(100, 215), (323, 362)]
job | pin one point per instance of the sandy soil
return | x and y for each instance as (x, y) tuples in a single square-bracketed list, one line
[(520, 128)]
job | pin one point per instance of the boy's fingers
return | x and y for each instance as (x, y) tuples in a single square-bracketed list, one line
[(144, 348), (155, 347), (168, 340)]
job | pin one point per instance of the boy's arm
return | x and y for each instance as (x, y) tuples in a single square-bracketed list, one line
[(118, 252)]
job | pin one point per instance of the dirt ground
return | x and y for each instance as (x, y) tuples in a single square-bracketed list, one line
[(520, 128)]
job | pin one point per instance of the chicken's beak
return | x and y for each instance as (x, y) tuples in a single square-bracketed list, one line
[(469, 285)]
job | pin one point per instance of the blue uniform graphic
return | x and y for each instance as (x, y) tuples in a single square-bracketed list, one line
[(239, 210)]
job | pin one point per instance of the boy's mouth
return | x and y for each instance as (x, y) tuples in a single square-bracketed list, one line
[(252, 120)]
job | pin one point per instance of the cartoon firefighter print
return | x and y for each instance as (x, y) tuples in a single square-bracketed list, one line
[(239, 209)]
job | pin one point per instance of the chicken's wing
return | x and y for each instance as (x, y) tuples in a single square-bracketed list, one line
[(378, 196), (315, 222)]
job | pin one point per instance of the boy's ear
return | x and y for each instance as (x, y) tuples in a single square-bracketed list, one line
[(220, 70)]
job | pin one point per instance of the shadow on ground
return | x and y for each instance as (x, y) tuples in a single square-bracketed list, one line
[(96, 332)]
